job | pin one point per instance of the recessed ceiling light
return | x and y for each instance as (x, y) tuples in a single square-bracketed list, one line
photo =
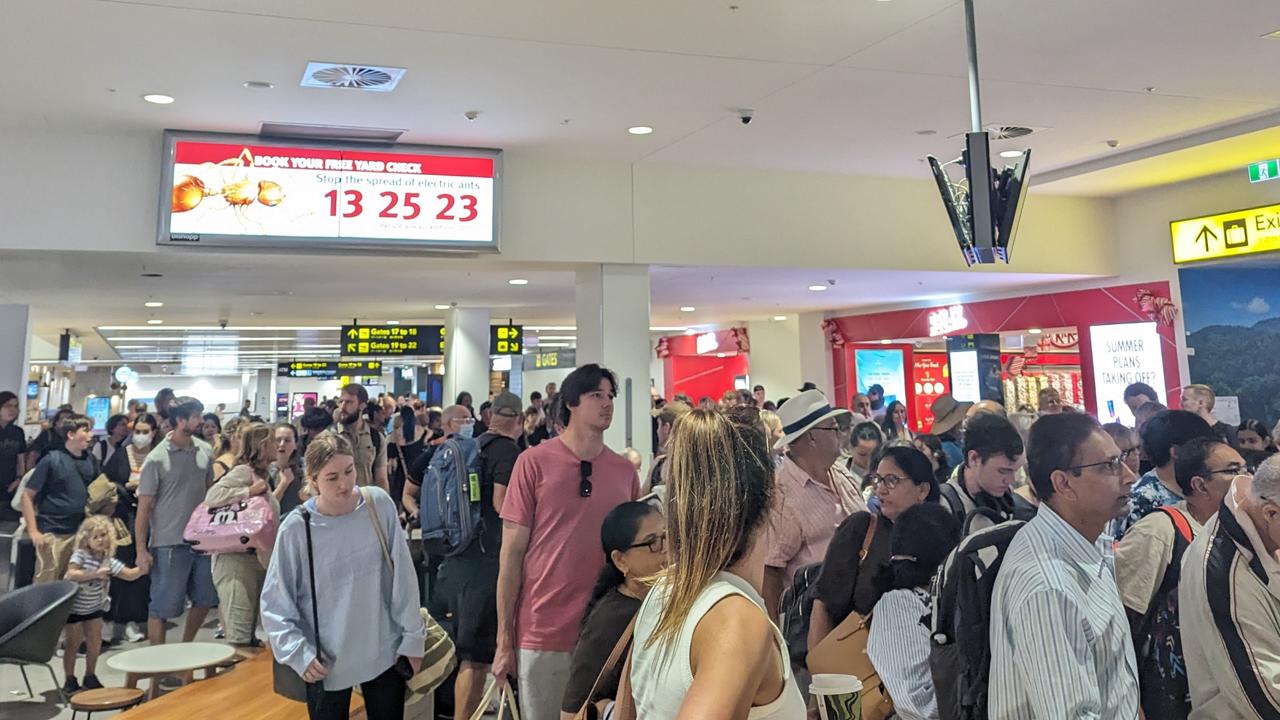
[(158, 99), (688, 308), (1035, 331), (1011, 154), (926, 132), (152, 275), (393, 322), (1273, 35), (817, 288), (153, 304), (640, 130), (442, 307), (688, 331), (155, 322), (886, 341), (517, 281), (258, 85), (779, 318)]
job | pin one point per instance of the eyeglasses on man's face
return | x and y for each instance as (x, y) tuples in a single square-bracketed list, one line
[(1111, 466)]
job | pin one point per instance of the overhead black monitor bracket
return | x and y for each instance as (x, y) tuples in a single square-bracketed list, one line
[(984, 207)]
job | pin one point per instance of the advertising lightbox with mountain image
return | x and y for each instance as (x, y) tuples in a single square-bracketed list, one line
[(1233, 333)]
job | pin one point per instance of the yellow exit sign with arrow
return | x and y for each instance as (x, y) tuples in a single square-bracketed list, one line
[(1243, 232)]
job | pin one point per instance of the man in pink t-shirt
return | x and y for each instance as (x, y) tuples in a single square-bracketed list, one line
[(559, 494)]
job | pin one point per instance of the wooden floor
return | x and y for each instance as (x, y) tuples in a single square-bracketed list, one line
[(244, 693)]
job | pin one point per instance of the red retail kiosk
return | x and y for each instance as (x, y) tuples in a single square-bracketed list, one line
[(1088, 344), (705, 364)]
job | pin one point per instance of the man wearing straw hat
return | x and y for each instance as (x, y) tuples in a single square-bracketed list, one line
[(813, 494)]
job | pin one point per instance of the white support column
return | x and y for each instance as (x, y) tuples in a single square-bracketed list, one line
[(613, 330), (815, 356), (264, 399), (775, 356), (466, 354), (15, 354)]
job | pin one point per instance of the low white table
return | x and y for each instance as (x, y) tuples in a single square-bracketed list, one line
[(152, 663)]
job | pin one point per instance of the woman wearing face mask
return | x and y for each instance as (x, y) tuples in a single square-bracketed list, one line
[(129, 600), (368, 607)]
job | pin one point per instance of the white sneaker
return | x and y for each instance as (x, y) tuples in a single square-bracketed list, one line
[(133, 634)]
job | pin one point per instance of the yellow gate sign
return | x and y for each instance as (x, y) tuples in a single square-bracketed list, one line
[(1242, 232)]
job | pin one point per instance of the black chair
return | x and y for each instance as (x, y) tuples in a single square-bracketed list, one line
[(31, 619)]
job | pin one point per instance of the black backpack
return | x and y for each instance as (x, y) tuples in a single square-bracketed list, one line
[(796, 607), (1022, 508), (960, 652)]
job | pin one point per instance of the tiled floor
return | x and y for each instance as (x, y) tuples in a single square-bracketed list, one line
[(16, 705)]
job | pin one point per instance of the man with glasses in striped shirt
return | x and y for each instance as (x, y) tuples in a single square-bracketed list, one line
[(1060, 642)]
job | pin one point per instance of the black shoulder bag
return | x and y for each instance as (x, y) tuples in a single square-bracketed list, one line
[(284, 680)]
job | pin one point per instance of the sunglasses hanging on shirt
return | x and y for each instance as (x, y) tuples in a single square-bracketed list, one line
[(584, 471)]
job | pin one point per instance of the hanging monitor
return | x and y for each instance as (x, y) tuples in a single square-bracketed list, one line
[(246, 191), (984, 208)]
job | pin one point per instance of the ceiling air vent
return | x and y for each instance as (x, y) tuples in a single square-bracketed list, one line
[(1008, 132), (351, 76), (1005, 132)]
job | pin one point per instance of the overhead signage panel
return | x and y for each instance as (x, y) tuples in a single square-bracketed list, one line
[(393, 340), (550, 359), (246, 191), (1243, 232), (506, 339), (329, 368)]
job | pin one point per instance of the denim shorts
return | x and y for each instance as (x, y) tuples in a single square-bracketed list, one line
[(179, 573)]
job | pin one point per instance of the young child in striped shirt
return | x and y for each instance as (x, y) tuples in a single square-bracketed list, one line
[(93, 564)]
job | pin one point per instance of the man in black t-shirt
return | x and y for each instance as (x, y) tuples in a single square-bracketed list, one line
[(468, 581), (55, 497), (13, 448)]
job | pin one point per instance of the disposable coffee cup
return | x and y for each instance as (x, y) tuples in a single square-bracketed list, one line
[(839, 697)]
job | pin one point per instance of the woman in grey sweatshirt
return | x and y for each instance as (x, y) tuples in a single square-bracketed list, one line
[(369, 609)]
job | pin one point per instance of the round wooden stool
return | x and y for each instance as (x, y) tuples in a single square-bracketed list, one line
[(103, 700)]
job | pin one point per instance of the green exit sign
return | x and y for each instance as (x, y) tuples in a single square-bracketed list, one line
[(1264, 170)]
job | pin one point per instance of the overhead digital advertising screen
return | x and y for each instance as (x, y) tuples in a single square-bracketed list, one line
[(250, 192)]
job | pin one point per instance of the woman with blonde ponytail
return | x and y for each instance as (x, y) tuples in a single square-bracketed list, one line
[(704, 645)]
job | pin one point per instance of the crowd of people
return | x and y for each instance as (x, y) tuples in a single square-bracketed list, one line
[(763, 534)]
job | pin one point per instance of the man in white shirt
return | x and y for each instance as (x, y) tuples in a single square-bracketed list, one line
[(1060, 643), (1229, 600)]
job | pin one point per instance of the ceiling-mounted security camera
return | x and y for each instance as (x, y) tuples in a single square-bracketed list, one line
[(745, 116)]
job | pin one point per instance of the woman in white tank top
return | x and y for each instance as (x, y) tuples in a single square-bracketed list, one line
[(704, 645)]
